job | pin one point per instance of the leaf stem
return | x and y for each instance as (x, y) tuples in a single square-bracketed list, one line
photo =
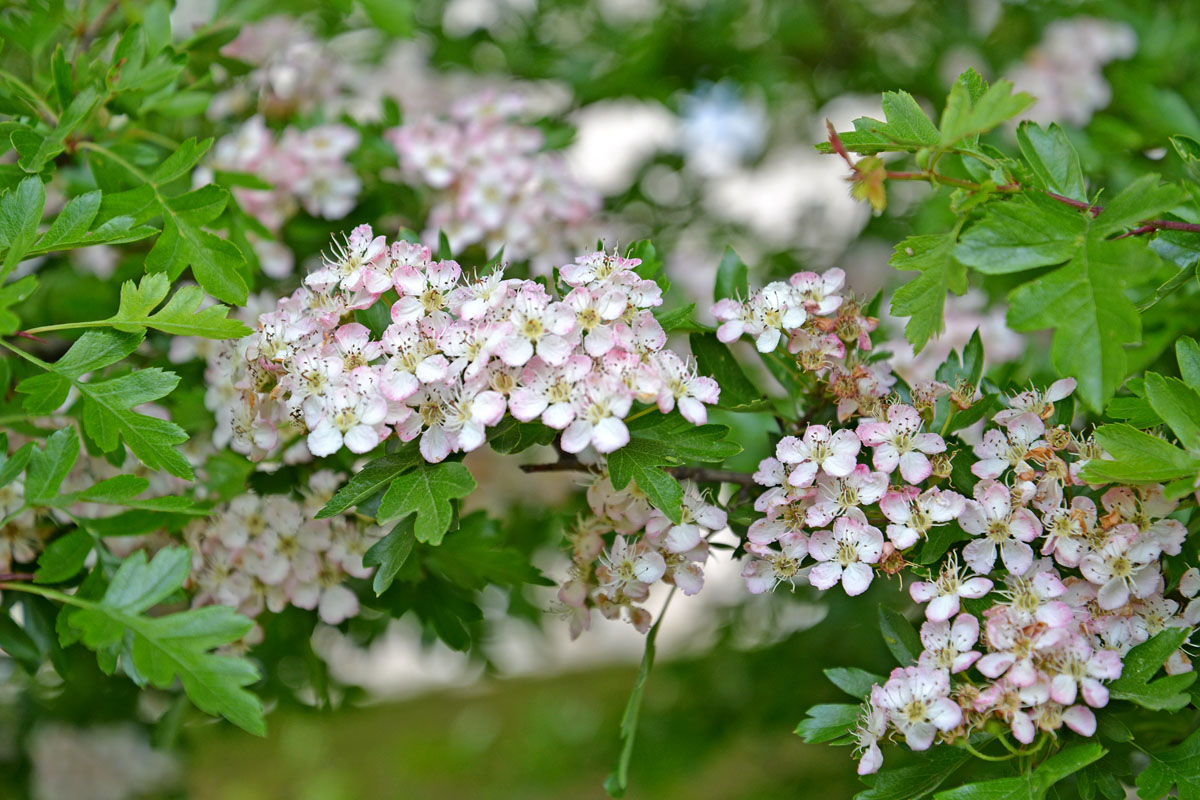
[(985, 757)]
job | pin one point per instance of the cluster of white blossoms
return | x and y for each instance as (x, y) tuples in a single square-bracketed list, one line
[(495, 183), (1065, 72), (269, 552), (458, 354), (646, 548), (305, 168)]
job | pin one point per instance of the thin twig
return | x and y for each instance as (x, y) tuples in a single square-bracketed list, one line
[(701, 474), (15, 576)]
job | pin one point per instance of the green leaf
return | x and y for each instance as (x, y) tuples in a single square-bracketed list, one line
[(72, 222), (64, 557), (49, 466), (732, 277), (53, 144), (1052, 159), (513, 436), (853, 681), (215, 262), (389, 554), (475, 556), (965, 116), (1142, 663), (180, 316), (666, 444), (899, 635), (827, 722), (1031, 786), (427, 491), (714, 359), (923, 298), (10, 295), (1178, 405), (906, 121), (20, 213), (1187, 352), (918, 780), (1138, 457), (18, 644), (1178, 767), (161, 649), (1022, 233), (371, 479)]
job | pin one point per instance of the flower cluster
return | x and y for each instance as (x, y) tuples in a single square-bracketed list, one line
[(1066, 71), (627, 547), (269, 552), (495, 182), (458, 353), (305, 167)]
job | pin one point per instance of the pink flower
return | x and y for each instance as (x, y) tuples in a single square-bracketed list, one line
[(423, 292), (768, 568), (818, 294), (846, 554), (346, 416), (538, 325), (599, 417), (1038, 403), (913, 513), (991, 516), (837, 496), (943, 595), (948, 646), (898, 442), (1126, 564), (549, 392), (917, 702), (835, 453), (681, 385), (999, 451)]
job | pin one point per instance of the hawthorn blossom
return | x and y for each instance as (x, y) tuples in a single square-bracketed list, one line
[(846, 553), (992, 517), (917, 702), (949, 645), (898, 442), (945, 593), (914, 513), (1125, 565), (836, 454)]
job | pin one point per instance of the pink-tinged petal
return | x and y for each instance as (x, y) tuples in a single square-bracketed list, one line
[(554, 350), (1113, 594), (1056, 614), (488, 407), (1095, 694), (945, 714), (942, 608), (902, 536), (693, 410), (577, 436), (1017, 556), (433, 369), (995, 501), (963, 661), (1023, 673), (895, 506), (871, 761), (965, 631), (407, 309), (397, 386), (325, 440), (993, 665), (731, 331), (975, 588), (558, 416), (922, 591), (681, 538), (915, 467), (856, 578), (841, 463), (803, 475), (1024, 525), (920, 736), (1022, 727), (790, 450), (825, 575), (989, 468), (1081, 720), (972, 519), (929, 443), (1060, 389), (526, 405), (514, 350), (1105, 664), (1063, 689), (689, 578), (768, 340), (822, 546), (886, 457), (759, 576), (873, 434), (980, 555), (649, 567), (471, 436), (362, 438), (610, 434), (435, 445)]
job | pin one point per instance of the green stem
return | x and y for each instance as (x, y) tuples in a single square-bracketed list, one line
[(66, 326), (977, 754), (49, 594)]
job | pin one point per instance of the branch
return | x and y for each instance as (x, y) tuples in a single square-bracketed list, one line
[(701, 474)]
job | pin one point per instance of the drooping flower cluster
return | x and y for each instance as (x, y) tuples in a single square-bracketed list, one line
[(627, 546), (495, 183), (303, 167), (458, 353), (269, 552)]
